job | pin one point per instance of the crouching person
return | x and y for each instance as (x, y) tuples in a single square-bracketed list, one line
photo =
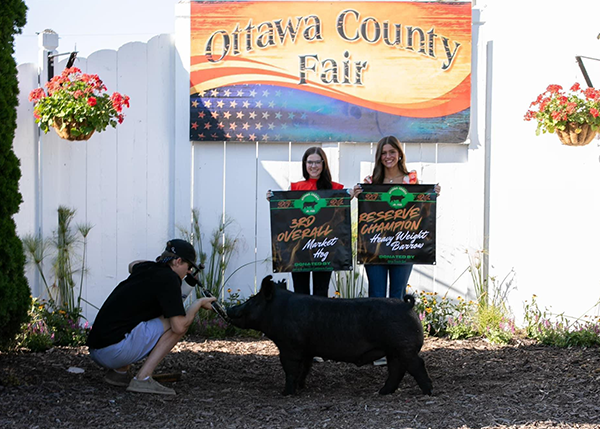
[(144, 316)]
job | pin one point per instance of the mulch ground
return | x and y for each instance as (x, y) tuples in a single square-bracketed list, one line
[(238, 383)]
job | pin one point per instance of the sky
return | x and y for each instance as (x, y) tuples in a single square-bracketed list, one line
[(91, 25)]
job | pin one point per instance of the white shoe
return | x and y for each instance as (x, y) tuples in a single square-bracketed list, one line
[(380, 362)]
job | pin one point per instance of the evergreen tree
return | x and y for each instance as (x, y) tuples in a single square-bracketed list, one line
[(14, 290)]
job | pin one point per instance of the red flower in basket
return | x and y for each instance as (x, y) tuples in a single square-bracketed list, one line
[(573, 115), (76, 105)]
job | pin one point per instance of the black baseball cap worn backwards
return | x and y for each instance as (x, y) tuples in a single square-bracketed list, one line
[(184, 250)]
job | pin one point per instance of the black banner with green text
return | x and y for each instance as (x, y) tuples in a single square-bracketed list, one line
[(396, 224), (311, 231)]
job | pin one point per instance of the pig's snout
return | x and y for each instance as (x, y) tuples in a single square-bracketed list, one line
[(233, 312), (236, 315)]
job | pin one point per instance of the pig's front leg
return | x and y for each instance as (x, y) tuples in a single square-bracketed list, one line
[(292, 366)]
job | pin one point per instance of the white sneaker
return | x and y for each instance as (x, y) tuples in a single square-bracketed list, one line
[(380, 362)]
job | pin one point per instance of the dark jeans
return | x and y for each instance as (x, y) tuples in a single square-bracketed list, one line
[(378, 279), (320, 282)]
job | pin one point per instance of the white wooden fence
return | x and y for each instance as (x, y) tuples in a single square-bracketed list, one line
[(138, 183), (120, 180), (528, 200)]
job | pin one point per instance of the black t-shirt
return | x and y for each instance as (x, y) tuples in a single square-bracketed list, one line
[(152, 290)]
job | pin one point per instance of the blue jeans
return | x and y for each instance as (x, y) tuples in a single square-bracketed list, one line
[(378, 279)]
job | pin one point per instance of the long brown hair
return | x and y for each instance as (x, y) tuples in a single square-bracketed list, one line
[(378, 171), (324, 181)]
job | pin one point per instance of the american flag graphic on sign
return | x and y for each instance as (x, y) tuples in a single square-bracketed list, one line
[(270, 113)]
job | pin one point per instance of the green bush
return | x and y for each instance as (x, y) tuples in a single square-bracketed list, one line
[(558, 330), (460, 319), (49, 326), (35, 334), (14, 290), (434, 312)]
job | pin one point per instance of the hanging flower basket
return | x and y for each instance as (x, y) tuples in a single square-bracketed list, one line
[(576, 134), (70, 131), (76, 105), (574, 115)]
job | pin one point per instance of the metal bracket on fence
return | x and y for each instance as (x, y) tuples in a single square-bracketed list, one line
[(72, 56), (583, 69)]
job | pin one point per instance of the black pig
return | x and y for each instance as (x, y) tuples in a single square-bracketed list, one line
[(358, 331)]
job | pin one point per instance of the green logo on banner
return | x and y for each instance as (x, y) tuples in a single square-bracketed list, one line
[(310, 203), (397, 197)]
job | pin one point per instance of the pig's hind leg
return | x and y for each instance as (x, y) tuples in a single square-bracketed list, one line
[(305, 369), (396, 371), (416, 368)]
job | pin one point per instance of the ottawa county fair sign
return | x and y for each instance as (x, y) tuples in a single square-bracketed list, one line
[(330, 71)]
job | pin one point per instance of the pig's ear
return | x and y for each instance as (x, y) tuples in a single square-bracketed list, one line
[(267, 287)]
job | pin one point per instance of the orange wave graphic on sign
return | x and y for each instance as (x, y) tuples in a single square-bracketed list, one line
[(255, 72)]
